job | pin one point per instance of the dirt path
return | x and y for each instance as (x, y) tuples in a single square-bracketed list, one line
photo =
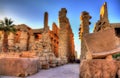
[(65, 71)]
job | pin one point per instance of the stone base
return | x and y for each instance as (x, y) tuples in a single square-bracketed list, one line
[(45, 66), (52, 65), (18, 66), (99, 68)]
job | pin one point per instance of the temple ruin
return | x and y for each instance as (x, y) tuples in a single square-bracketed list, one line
[(101, 45), (44, 48)]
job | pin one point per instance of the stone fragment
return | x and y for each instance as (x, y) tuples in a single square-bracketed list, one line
[(100, 45)]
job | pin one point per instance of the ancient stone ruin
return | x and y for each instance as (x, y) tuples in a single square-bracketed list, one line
[(101, 45), (84, 29), (103, 23), (65, 37), (30, 50)]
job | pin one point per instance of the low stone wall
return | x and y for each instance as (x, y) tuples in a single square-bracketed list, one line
[(27, 62), (100, 68), (18, 66)]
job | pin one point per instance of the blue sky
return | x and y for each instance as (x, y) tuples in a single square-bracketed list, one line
[(30, 12)]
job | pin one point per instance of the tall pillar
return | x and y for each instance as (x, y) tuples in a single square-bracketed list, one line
[(65, 38), (46, 27), (84, 29)]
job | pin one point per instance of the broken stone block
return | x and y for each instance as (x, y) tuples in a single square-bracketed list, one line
[(101, 44), (98, 68), (18, 66)]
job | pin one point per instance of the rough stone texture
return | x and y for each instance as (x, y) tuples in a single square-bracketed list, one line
[(11, 42), (97, 43), (46, 27), (18, 66), (28, 54), (23, 38), (1, 40), (54, 39), (99, 68), (103, 23), (84, 29), (65, 71), (66, 40)]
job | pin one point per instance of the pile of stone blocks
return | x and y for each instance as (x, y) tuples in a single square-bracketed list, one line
[(99, 63), (47, 60)]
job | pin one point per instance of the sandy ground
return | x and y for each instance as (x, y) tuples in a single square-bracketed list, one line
[(65, 71)]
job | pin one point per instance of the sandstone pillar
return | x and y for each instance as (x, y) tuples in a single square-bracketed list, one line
[(84, 29), (63, 39), (46, 21)]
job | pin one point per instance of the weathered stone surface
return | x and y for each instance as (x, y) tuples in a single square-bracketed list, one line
[(98, 68), (66, 40), (46, 27), (103, 23), (28, 54), (97, 43), (23, 38), (1, 40), (18, 66), (84, 29)]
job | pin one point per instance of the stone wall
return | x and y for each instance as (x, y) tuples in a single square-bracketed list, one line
[(54, 39), (24, 38), (11, 40), (1, 40)]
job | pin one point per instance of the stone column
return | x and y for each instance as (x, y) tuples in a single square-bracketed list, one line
[(46, 27), (63, 33), (84, 29), (65, 39)]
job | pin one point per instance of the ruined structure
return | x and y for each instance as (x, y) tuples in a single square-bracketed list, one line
[(101, 45), (54, 39), (84, 29), (103, 23), (38, 48), (23, 39), (66, 41)]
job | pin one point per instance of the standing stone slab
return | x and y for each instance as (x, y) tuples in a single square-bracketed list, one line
[(102, 43)]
